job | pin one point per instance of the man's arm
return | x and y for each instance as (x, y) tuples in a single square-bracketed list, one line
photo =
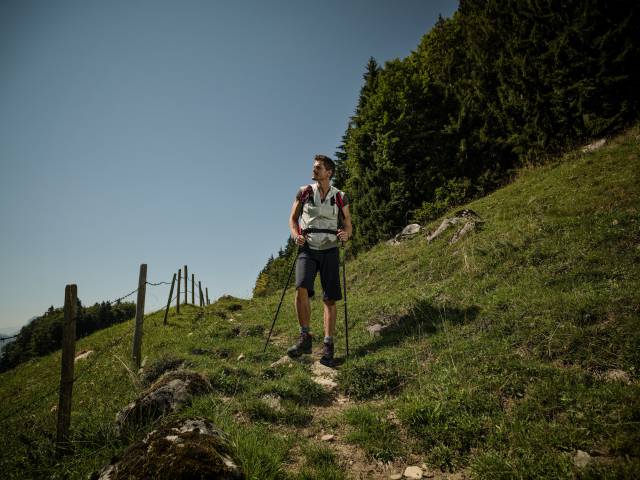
[(293, 222), (345, 233)]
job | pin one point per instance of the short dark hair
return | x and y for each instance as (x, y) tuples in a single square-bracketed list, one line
[(328, 163)]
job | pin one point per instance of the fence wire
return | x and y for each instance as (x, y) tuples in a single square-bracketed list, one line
[(20, 410)]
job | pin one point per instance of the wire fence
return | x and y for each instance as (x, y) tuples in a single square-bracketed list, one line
[(21, 408)]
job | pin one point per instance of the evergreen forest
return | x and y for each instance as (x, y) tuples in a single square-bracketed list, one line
[(44, 334), (499, 85)]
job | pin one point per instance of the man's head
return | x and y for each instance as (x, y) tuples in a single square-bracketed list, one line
[(322, 162)]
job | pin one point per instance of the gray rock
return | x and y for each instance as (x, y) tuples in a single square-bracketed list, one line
[(169, 393), (185, 448), (324, 376), (273, 401), (581, 459), (410, 230), (446, 223), (282, 361), (413, 472), (467, 227), (617, 375), (592, 147), (375, 330), (407, 232)]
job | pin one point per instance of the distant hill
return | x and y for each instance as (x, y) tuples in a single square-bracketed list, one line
[(42, 335)]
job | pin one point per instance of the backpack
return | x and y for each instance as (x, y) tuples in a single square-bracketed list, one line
[(307, 195)]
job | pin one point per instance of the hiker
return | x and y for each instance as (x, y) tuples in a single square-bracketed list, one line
[(319, 219)]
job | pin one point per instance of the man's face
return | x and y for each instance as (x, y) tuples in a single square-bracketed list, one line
[(320, 172)]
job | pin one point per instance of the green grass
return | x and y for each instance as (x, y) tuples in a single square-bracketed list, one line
[(497, 366)]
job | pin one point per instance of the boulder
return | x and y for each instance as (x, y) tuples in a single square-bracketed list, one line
[(617, 375), (169, 393), (151, 373), (324, 376), (407, 232), (83, 355), (467, 218), (413, 472), (581, 459), (410, 230), (185, 448), (592, 147)]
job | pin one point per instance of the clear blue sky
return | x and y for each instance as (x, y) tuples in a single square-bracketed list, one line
[(170, 133)]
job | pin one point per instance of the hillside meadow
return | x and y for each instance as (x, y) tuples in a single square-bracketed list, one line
[(512, 353)]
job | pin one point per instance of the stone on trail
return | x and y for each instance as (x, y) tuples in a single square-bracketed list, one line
[(395, 476), (185, 448), (169, 393), (581, 459), (413, 472), (328, 438), (282, 361), (324, 376), (241, 357), (273, 401)]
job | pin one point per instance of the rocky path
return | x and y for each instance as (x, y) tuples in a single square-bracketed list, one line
[(328, 428)]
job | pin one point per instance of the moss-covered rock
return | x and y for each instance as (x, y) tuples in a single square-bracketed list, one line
[(157, 368), (169, 393), (190, 448)]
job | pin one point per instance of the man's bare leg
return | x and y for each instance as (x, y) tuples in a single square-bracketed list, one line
[(303, 307), (330, 314)]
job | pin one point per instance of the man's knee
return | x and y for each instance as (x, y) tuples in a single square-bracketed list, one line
[(329, 303), (302, 293)]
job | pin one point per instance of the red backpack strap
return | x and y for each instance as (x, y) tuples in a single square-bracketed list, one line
[(303, 197), (306, 194)]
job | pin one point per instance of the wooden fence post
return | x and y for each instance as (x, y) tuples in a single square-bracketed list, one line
[(207, 291), (193, 289), (186, 284), (178, 296), (201, 295), (66, 375), (137, 336), (166, 312)]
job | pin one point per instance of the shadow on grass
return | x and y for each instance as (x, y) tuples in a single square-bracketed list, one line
[(423, 319)]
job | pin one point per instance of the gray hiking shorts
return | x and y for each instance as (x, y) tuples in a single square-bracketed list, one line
[(327, 262)]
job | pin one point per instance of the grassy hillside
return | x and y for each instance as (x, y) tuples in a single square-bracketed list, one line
[(501, 364)]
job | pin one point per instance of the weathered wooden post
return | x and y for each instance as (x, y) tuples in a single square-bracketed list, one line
[(66, 375), (201, 295), (186, 284), (207, 291), (178, 296), (166, 312), (137, 336), (193, 289)]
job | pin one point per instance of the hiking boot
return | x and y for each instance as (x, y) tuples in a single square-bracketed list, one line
[(302, 346), (327, 355)]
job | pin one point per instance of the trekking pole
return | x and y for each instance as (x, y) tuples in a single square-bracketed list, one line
[(281, 298), (344, 281)]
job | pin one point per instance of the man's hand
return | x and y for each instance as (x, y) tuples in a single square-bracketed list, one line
[(300, 240), (343, 236)]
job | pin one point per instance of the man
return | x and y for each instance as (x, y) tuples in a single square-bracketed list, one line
[(319, 219)]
